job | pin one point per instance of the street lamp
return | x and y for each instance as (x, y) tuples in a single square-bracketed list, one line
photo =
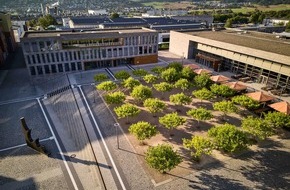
[(117, 134)]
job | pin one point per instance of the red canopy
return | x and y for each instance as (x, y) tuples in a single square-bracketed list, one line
[(219, 78), (192, 66), (260, 96), (199, 71), (236, 86), (283, 107)]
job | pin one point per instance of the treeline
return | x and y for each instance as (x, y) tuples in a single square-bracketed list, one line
[(250, 17), (260, 2)]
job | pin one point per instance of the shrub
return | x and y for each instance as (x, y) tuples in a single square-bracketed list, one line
[(130, 83), (225, 106), (200, 114), (171, 120), (198, 145), (143, 130), (115, 98), (203, 94), (122, 75), (158, 70), (278, 119), (141, 92), (176, 65), (107, 86), (203, 80), (188, 73), (163, 87), (170, 75), (162, 158), (183, 84), (154, 105), (126, 111), (246, 102), (140, 72), (150, 78), (101, 77), (222, 90), (228, 138), (180, 99)]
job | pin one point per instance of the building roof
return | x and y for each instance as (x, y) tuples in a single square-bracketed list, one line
[(70, 34), (255, 40), (89, 20)]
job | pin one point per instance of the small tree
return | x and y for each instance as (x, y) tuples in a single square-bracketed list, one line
[(203, 80), (122, 75), (170, 75), (154, 105), (140, 72), (180, 99), (101, 77), (126, 111), (246, 102), (200, 114), (107, 86), (183, 84), (115, 97), (171, 120), (143, 130), (226, 107), (258, 128), (228, 138), (222, 90), (163, 87), (229, 23), (203, 94), (150, 78), (188, 73), (141, 92), (130, 83), (176, 65), (278, 119), (162, 158), (158, 70), (198, 145), (114, 15)]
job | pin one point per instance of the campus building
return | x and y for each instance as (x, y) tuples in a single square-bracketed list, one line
[(62, 51), (263, 57)]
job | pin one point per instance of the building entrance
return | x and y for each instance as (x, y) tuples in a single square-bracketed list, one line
[(106, 63)]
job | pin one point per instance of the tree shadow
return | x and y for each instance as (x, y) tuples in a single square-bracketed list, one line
[(222, 119), (203, 104), (192, 124), (216, 182), (268, 169)]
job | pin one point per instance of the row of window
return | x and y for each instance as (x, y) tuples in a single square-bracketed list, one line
[(87, 54), (55, 68)]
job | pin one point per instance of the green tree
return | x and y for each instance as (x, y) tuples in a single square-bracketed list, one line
[(198, 145), (126, 111), (229, 23), (200, 114), (101, 77), (115, 97), (180, 99), (46, 21), (122, 75), (278, 119), (114, 15), (163, 87), (171, 120), (158, 70), (222, 90), (188, 73), (140, 72), (226, 107), (170, 75), (176, 65), (162, 158), (246, 102), (107, 86), (203, 80), (154, 105), (183, 84), (149, 78), (258, 128), (288, 27), (203, 94), (32, 23), (228, 138), (143, 130), (141, 92), (130, 83)]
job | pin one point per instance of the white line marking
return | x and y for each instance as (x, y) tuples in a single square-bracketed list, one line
[(110, 73), (21, 145), (58, 146), (105, 145), (163, 61), (17, 100)]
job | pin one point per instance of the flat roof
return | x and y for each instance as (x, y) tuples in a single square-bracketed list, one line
[(43, 34), (250, 39)]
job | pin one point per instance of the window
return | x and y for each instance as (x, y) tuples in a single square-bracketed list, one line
[(42, 46), (73, 66), (33, 59), (66, 67), (38, 58), (53, 68), (46, 69), (32, 71), (34, 46), (79, 66), (39, 70), (26, 47), (28, 59), (43, 58), (60, 68), (52, 57), (57, 56)]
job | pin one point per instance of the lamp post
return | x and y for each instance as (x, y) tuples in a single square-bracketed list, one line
[(117, 134)]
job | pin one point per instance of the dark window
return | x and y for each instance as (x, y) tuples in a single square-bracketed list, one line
[(46, 69), (39, 70), (48, 59), (52, 57), (32, 71), (73, 66), (66, 66), (60, 68), (38, 58), (53, 68), (79, 66)]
